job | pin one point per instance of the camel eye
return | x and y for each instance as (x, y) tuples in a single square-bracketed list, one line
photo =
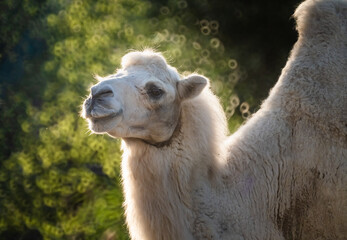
[(154, 92)]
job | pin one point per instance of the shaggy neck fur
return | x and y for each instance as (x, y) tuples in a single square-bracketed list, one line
[(158, 181)]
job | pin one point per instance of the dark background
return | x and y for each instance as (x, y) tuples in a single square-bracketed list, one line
[(263, 32)]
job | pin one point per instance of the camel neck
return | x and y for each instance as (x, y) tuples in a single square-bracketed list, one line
[(159, 182), (157, 197)]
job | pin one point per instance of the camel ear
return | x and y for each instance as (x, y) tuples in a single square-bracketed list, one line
[(191, 86)]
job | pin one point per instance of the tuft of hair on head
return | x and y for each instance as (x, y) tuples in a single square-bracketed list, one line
[(152, 61), (145, 58)]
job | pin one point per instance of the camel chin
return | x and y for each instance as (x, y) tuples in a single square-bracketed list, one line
[(104, 125)]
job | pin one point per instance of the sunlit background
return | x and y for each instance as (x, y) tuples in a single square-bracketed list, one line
[(56, 180)]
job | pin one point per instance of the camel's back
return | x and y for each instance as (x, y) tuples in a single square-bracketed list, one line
[(295, 147), (316, 187), (294, 173)]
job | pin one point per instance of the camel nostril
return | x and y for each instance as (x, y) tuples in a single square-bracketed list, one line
[(107, 92), (102, 94), (101, 90)]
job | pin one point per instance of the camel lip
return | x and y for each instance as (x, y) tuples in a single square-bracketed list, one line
[(106, 118)]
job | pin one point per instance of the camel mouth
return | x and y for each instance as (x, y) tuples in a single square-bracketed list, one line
[(98, 119)]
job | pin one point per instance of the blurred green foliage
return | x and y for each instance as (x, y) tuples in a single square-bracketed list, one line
[(57, 181)]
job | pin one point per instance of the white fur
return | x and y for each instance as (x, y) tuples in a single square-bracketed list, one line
[(282, 175)]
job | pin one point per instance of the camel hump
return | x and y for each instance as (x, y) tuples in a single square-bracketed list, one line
[(322, 19)]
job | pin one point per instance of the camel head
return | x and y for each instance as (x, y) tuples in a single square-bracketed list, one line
[(142, 100)]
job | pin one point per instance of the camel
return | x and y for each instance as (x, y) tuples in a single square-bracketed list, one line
[(282, 175)]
